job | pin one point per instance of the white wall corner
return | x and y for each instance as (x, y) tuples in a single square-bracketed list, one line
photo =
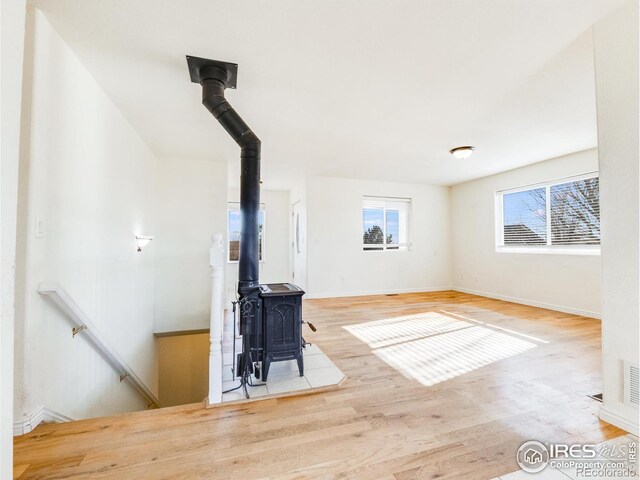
[(617, 54), (30, 421), (12, 21)]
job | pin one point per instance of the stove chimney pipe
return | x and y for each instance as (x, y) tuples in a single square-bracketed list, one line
[(214, 77)]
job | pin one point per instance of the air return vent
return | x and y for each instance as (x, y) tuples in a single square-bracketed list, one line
[(631, 388)]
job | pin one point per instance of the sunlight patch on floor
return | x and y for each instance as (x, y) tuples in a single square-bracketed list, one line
[(430, 347), (457, 315), (382, 333)]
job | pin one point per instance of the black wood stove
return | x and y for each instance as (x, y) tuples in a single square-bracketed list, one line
[(270, 315), (282, 325)]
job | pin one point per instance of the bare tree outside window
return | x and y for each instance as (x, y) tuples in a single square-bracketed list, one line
[(525, 217), (575, 213), (573, 210)]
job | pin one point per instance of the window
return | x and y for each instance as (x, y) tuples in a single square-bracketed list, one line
[(560, 216), (233, 231), (385, 223)]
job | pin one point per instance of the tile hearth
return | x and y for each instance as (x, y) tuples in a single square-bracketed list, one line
[(320, 373)]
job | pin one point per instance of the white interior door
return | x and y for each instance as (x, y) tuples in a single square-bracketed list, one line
[(299, 245)]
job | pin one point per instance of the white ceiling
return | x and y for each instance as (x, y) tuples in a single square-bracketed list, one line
[(364, 89)]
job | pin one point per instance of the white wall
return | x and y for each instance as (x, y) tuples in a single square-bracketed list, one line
[(88, 177), (191, 198), (568, 283), (616, 50), (12, 18), (275, 266), (336, 263)]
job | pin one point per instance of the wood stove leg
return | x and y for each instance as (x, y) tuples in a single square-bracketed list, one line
[(300, 361), (266, 363)]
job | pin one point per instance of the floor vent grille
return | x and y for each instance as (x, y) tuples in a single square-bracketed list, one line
[(597, 397), (631, 383)]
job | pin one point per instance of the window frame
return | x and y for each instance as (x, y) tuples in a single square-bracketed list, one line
[(384, 247), (500, 247), (262, 209)]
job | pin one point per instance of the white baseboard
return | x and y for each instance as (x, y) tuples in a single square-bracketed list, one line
[(38, 416), (506, 298), (375, 292), (531, 303), (618, 421)]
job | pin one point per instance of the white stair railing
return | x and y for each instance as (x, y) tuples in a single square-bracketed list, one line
[(216, 260), (82, 324)]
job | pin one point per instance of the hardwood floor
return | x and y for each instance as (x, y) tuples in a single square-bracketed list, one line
[(472, 378)]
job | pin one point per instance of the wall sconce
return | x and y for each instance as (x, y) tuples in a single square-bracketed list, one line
[(142, 240)]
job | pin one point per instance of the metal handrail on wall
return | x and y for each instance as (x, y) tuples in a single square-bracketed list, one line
[(82, 324)]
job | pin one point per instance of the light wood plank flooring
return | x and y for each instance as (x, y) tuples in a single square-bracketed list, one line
[(428, 401)]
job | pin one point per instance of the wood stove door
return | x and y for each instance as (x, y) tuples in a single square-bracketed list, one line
[(282, 328)]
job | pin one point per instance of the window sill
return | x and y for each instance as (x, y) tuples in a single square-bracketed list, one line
[(551, 250)]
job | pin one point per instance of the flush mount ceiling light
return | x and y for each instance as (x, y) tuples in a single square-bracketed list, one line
[(462, 153), (142, 240)]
